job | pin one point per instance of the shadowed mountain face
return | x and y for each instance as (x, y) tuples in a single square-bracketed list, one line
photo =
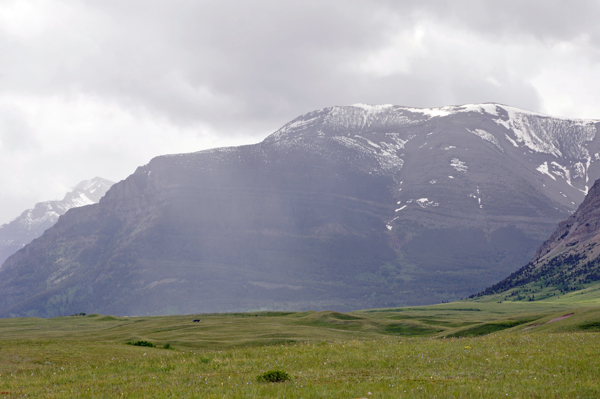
[(342, 208), (568, 261), (33, 222)]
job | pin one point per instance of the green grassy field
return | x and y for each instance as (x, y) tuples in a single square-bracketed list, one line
[(463, 349)]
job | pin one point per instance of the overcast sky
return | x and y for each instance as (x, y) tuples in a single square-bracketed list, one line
[(97, 88)]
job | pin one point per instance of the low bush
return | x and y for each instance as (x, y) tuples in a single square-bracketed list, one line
[(274, 376)]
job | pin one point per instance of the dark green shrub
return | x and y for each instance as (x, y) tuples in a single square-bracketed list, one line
[(167, 346), (593, 326), (274, 376), (142, 343)]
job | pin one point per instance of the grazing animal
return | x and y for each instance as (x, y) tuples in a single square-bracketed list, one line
[(196, 320)]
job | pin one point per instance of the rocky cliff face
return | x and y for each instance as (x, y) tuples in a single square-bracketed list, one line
[(342, 208), (33, 222), (578, 229), (569, 260)]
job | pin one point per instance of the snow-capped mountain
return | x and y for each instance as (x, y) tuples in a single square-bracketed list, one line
[(33, 222), (560, 150), (342, 208)]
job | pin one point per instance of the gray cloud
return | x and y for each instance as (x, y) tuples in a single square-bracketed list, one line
[(109, 84), (252, 62)]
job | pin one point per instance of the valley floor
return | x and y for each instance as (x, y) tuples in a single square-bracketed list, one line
[(465, 349)]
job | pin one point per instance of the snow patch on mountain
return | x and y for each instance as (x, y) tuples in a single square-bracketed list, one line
[(458, 165), (28, 221), (543, 169), (431, 112), (477, 195), (296, 124), (578, 171), (546, 135), (491, 109), (425, 202), (385, 153), (514, 143), (561, 171), (454, 109), (487, 137), (373, 108), (348, 142), (82, 200)]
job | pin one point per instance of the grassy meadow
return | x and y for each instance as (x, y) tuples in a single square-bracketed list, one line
[(463, 349)]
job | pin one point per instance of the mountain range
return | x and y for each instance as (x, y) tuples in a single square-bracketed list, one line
[(33, 222), (342, 208)]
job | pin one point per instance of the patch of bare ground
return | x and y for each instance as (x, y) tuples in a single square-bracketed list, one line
[(550, 321)]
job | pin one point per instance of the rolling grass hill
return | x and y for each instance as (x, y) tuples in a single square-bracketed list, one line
[(273, 328), (462, 349), (268, 328)]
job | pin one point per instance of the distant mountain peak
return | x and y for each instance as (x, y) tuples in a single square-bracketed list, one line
[(93, 184), (33, 222)]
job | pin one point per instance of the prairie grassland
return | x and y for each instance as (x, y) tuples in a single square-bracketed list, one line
[(496, 350), (528, 365)]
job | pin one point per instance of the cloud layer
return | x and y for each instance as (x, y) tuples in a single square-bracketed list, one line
[(99, 87)]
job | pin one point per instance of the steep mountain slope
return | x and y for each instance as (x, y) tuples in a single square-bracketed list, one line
[(568, 261), (33, 222), (342, 208)]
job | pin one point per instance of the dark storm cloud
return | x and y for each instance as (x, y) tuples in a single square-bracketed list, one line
[(230, 63), (255, 63)]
